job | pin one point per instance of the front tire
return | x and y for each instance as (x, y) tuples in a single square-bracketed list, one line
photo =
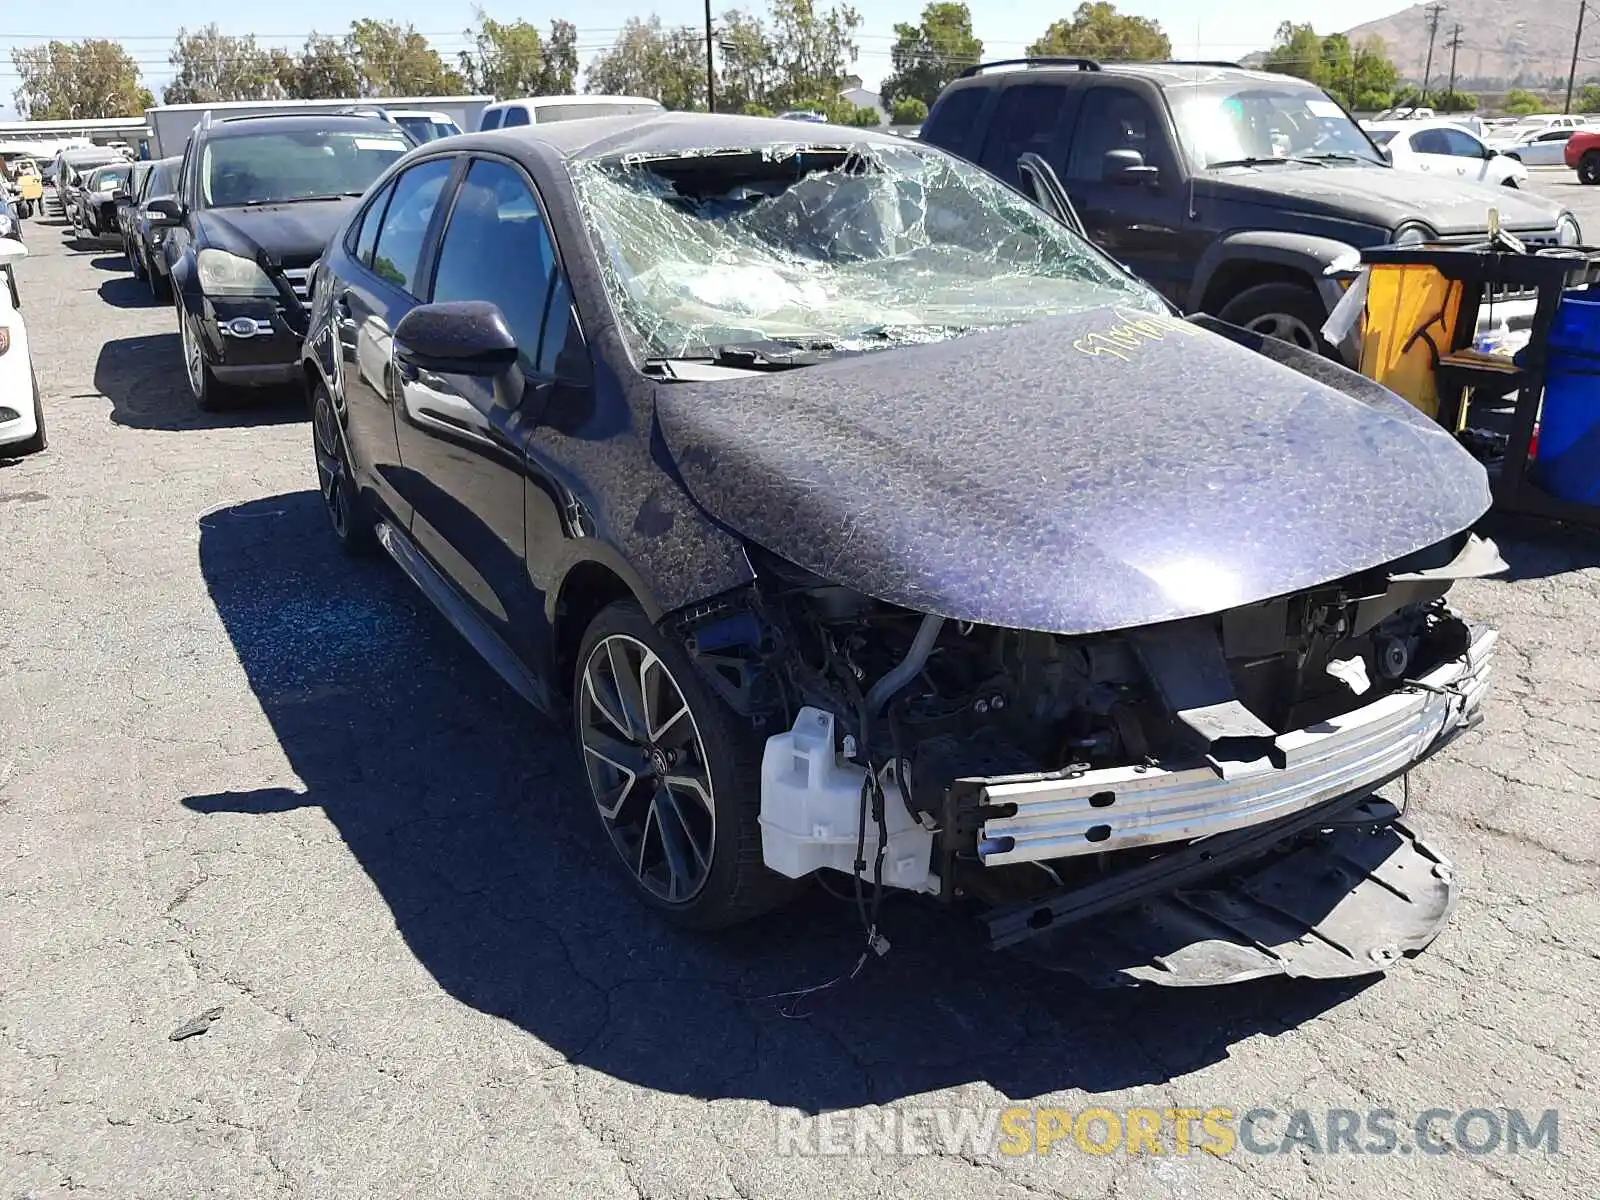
[(135, 262), (1286, 311), (1589, 168), (341, 498), (209, 395), (38, 441), (675, 775)]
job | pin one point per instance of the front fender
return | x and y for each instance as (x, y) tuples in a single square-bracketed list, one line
[(1307, 253)]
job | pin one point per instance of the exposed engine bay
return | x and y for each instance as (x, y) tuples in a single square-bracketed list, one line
[(966, 760)]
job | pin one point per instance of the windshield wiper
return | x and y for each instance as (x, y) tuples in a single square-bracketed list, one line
[(298, 199)]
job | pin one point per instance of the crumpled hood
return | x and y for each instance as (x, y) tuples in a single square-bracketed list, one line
[(1385, 196), (294, 233), (1084, 473)]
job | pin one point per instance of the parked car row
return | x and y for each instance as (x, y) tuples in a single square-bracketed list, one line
[(646, 405)]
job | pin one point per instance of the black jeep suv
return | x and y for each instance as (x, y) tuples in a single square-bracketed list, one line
[(257, 200), (1230, 190)]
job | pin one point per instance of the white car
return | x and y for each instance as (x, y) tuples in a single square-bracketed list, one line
[(21, 414), (1520, 129), (1445, 148), (1540, 147)]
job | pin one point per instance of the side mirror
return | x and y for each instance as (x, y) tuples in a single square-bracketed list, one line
[(11, 251), (121, 196), (460, 337), (165, 211), (1127, 167)]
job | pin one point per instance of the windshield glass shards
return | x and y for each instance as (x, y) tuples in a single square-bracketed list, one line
[(836, 249)]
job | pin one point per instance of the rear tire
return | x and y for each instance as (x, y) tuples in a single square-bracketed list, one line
[(694, 857), (1589, 167), (1289, 312)]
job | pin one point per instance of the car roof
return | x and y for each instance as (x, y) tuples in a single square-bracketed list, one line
[(670, 133), (1164, 74), (318, 121)]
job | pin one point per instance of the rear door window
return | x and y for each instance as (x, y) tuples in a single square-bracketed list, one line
[(1430, 141), (516, 115), (491, 119), (953, 123), (1026, 118)]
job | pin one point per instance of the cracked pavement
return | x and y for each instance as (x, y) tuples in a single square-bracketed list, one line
[(238, 771)]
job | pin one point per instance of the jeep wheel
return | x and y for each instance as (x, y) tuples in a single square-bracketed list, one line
[(1286, 311), (1589, 167)]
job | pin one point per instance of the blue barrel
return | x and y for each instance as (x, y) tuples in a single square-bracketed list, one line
[(1569, 426)]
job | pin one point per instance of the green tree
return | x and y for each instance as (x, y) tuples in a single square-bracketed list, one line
[(215, 66), (512, 59), (1520, 102), (1098, 30), (668, 65), (560, 74), (1588, 98), (1451, 102), (395, 60), (1374, 77), (811, 50), (61, 81), (749, 70), (506, 59), (928, 55), (322, 71), (909, 110), (1297, 51)]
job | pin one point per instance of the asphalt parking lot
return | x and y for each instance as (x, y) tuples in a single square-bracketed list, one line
[(242, 775)]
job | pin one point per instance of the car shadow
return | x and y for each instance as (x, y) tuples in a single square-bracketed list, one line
[(144, 380), (1535, 548), (111, 262), (127, 292), (471, 817)]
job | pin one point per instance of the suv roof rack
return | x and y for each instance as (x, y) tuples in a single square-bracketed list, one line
[(1192, 62), (1082, 64)]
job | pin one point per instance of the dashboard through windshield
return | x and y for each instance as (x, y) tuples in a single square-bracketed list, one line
[(284, 166), (1263, 122)]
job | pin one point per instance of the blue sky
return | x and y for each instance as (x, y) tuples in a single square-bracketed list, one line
[(1224, 30)]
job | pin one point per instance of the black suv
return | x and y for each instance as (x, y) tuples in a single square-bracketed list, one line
[(257, 199), (1232, 191)]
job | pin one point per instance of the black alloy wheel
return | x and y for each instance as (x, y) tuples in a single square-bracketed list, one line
[(674, 774)]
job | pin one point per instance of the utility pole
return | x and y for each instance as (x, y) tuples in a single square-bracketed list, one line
[(711, 66), (1572, 71), (1455, 44), (1434, 11)]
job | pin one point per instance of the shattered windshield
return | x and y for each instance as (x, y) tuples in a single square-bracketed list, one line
[(829, 247), (1266, 122)]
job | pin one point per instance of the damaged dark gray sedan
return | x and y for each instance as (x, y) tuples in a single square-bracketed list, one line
[(863, 519)]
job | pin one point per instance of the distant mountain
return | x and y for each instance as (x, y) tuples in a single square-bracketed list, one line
[(1499, 40)]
